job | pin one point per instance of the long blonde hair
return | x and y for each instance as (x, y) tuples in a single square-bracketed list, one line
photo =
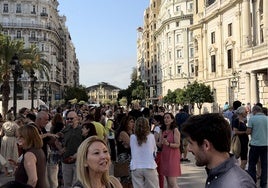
[(82, 170)]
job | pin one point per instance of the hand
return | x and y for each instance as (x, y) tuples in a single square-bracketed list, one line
[(165, 142), (12, 162), (53, 135)]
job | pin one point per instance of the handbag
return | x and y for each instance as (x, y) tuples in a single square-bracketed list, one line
[(236, 146), (121, 169)]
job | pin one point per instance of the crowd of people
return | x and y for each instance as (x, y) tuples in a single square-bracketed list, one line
[(74, 146)]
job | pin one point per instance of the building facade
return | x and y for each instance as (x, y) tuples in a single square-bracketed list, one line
[(220, 43), (103, 93), (38, 22), (231, 50), (165, 48), (174, 44)]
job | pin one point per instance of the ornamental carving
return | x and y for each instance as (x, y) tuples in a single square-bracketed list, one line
[(229, 43), (212, 49)]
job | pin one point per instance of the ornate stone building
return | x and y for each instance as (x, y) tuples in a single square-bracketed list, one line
[(174, 44), (38, 22), (231, 49), (165, 49), (103, 93), (223, 44)]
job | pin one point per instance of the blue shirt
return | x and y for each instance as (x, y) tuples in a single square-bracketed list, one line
[(259, 126), (229, 174)]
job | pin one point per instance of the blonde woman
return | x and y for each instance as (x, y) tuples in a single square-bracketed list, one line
[(93, 162)]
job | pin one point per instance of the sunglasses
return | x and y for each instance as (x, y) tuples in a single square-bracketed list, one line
[(71, 118)]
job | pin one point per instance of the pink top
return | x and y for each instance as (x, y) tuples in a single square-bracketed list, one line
[(170, 157)]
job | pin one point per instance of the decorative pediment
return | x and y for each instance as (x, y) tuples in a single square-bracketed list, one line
[(229, 43), (212, 49)]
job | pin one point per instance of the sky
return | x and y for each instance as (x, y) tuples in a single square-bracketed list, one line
[(104, 33)]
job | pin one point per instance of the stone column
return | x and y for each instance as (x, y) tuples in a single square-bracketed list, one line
[(265, 20), (247, 87), (253, 88), (246, 23)]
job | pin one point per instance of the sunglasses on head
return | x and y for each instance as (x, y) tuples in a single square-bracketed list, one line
[(70, 118)]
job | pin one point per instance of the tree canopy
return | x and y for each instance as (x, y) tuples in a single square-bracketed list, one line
[(195, 93), (79, 93)]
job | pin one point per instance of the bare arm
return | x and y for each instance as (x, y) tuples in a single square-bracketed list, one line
[(236, 131), (123, 136), (249, 130), (159, 141), (177, 137), (30, 167)]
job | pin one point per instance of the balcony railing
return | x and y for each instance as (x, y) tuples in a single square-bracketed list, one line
[(29, 25), (43, 14)]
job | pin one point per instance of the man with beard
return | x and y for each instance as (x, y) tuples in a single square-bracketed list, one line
[(209, 138)]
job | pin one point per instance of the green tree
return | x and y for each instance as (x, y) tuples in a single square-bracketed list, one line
[(170, 98), (8, 48), (30, 59), (79, 93), (138, 91), (33, 59), (134, 75), (123, 101), (180, 96), (198, 93)]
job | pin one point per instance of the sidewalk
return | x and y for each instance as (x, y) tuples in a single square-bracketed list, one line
[(4, 179), (192, 176)]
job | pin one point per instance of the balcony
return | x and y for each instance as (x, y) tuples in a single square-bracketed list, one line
[(33, 39), (43, 14)]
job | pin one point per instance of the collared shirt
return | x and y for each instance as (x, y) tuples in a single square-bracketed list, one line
[(72, 140), (259, 125), (229, 174)]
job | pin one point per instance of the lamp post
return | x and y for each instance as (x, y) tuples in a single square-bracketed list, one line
[(234, 83), (47, 93), (32, 79), (16, 71)]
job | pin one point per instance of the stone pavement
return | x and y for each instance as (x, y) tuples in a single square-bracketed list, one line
[(192, 176), (4, 179)]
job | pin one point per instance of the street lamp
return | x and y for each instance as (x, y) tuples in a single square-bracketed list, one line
[(235, 79), (47, 93), (33, 79), (16, 71)]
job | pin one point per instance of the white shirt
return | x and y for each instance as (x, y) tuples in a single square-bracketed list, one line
[(143, 156)]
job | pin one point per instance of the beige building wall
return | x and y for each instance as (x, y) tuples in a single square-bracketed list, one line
[(38, 22), (238, 28), (175, 45)]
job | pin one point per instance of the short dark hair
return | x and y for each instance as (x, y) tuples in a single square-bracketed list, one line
[(236, 104), (259, 104), (212, 127)]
